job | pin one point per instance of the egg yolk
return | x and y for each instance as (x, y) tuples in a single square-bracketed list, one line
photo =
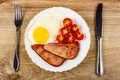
[(40, 35)]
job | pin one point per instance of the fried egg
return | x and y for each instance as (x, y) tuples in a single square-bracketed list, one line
[(46, 27)]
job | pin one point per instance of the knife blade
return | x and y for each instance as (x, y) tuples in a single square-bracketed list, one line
[(99, 69)]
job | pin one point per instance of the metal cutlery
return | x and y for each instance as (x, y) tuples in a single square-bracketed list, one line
[(17, 22), (99, 39)]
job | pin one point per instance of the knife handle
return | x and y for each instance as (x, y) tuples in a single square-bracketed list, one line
[(99, 57)]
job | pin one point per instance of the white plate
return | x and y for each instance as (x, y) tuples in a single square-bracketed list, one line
[(68, 64)]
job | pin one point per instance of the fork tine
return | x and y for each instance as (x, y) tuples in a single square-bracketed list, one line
[(15, 11), (20, 12)]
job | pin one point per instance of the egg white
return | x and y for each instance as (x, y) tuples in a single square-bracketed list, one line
[(51, 20)]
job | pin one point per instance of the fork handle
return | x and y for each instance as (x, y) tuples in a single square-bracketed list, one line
[(16, 54)]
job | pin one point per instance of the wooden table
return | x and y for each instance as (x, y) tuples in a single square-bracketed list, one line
[(84, 71)]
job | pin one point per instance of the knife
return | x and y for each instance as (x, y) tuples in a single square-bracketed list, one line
[(99, 39)]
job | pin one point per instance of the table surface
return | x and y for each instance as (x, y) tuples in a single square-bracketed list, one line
[(84, 71)]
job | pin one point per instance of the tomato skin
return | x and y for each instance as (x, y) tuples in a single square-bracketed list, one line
[(60, 38), (74, 28), (65, 38), (79, 36), (64, 30), (67, 22)]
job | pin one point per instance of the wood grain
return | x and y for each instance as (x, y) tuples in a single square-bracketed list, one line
[(84, 71)]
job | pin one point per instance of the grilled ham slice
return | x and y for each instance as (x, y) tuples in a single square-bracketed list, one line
[(67, 51), (47, 56)]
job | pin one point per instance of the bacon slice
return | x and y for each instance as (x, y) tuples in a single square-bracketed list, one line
[(67, 51), (47, 56)]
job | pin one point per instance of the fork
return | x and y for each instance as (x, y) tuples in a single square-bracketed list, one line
[(17, 21)]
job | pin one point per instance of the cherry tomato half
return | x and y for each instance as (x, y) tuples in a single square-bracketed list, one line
[(60, 38), (79, 36), (67, 22), (71, 39), (74, 28), (65, 30)]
